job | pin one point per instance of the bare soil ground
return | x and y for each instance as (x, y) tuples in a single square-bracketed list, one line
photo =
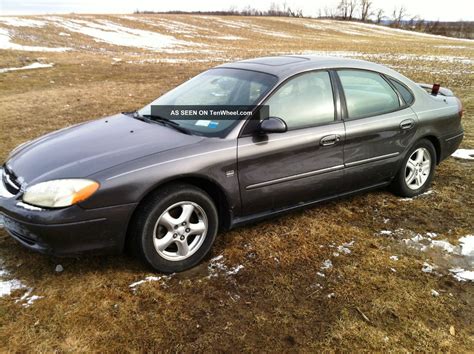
[(319, 279)]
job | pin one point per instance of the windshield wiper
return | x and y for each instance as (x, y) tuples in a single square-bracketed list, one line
[(165, 121), (158, 119), (135, 115)]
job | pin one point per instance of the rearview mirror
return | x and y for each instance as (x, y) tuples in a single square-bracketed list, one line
[(273, 125)]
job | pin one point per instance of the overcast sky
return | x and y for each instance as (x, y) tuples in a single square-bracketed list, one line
[(452, 10)]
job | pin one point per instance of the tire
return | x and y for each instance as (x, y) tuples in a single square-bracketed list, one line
[(168, 220), (414, 176)]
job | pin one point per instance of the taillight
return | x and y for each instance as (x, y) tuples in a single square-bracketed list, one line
[(461, 108)]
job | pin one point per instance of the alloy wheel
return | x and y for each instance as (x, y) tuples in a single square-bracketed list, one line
[(180, 231), (418, 168)]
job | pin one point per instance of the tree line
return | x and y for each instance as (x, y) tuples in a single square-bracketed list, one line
[(352, 10)]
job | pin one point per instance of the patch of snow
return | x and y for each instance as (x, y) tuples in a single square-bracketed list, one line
[(175, 60), (229, 38), (327, 264), (217, 265), (21, 22), (462, 275), (186, 29), (7, 286), (427, 268), (322, 275), (452, 254), (232, 23), (275, 33), (390, 57), (464, 154), (344, 248), (428, 192), (148, 279), (390, 30), (331, 295), (443, 245), (28, 299), (467, 245), (386, 232), (235, 270), (465, 248), (64, 34), (451, 46), (21, 204), (31, 300), (114, 34), (434, 293), (417, 241), (217, 258), (6, 43), (393, 270)]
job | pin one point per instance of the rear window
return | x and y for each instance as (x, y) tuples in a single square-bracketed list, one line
[(406, 94), (367, 94)]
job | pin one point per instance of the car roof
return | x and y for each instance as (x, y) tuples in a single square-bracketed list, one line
[(285, 66)]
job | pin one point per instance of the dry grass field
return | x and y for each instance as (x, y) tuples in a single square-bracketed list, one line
[(364, 273)]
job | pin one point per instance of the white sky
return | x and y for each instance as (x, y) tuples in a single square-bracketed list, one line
[(452, 10)]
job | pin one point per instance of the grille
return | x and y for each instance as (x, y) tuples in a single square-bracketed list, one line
[(10, 182)]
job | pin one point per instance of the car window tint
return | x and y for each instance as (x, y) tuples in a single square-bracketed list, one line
[(367, 94), (304, 101), (404, 92), (215, 87)]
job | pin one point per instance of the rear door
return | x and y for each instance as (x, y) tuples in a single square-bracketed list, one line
[(379, 127), (306, 162)]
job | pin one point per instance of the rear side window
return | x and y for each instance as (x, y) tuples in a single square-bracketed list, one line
[(304, 101), (404, 92), (367, 94)]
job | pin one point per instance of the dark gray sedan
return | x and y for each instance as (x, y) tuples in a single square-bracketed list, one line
[(164, 184)]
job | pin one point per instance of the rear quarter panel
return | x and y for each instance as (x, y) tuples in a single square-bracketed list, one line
[(438, 116)]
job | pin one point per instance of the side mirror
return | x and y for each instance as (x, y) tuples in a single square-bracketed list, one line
[(273, 125)]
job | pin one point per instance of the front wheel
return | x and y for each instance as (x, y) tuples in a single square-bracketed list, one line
[(417, 170), (175, 228)]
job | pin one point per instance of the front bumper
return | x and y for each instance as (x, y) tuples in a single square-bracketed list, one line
[(68, 231)]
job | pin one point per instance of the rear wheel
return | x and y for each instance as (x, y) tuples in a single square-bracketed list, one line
[(416, 172), (175, 228)]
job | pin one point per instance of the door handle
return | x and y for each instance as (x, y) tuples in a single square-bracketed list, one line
[(330, 140), (407, 124)]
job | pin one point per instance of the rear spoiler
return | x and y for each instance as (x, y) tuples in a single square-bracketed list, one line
[(436, 90)]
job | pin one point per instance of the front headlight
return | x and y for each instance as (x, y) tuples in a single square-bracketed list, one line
[(60, 193)]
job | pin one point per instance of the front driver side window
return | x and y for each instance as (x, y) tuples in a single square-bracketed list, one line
[(306, 100)]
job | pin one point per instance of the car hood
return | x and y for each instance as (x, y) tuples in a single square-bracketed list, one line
[(85, 149)]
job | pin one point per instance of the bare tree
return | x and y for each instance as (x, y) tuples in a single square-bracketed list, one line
[(365, 10), (379, 16), (398, 16), (352, 5), (329, 12), (343, 9), (346, 8)]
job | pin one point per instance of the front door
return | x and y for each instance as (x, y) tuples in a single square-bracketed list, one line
[(305, 163)]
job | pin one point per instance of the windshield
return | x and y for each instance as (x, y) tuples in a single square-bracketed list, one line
[(214, 88)]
